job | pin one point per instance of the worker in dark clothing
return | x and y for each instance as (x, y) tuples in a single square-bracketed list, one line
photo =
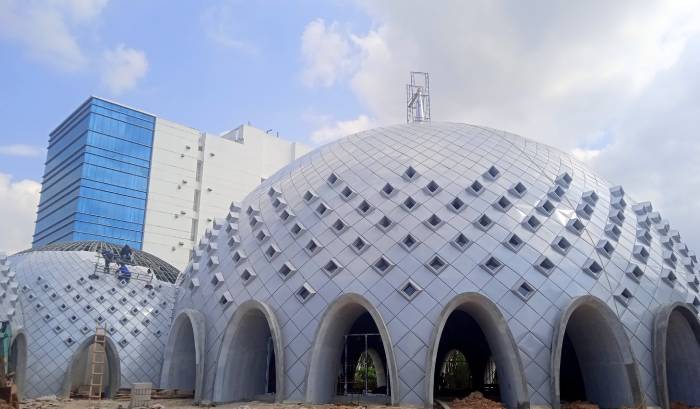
[(125, 253), (109, 257), (123, 273)]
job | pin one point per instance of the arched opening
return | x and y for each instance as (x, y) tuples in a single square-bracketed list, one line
[(677, 355), (473, 325), (362, 361), (78, 377), (592, 358), (183, 363), (351, 354), (17, 361), (455, 375), (250, 361)]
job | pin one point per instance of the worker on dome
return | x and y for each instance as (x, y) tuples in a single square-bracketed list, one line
[(108, 257), (123, 273), (125, 253)]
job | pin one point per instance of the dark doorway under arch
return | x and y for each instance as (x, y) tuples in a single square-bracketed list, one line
[(592, 359), (351, 328), (183, 363), (17, 361), (249, 361), (463, 334), (79, 371), (473, 324), (677, 355), (362, 361), (182, 372)]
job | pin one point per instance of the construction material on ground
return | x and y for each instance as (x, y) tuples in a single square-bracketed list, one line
[(45, 402), (475, 400), (8, 396), (578, 404), (681, 405), (172, 394), (140, 395)]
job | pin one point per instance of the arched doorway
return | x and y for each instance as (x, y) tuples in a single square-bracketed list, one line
[(351, 336), (183, 366), (473, 325), (17, 361), (250, 364), (592, 358), (455, 375), (79, 371), (676, 349)]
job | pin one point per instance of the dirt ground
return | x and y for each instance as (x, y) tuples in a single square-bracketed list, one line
[(475, 400), (184, 404)]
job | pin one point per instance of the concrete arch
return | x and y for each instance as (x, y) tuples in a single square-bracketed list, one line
[(114, 366), (18, 359), (237, 359), (503, 347), (677, 364), (378, 366), (324, 365), (184, 353), (608, 367)]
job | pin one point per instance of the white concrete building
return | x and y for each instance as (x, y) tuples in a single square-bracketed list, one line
[(120, 175), (194, 175)]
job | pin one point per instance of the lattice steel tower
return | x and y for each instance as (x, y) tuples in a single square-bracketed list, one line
[(418, 98)]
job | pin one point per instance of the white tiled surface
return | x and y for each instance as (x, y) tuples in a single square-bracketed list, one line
[(44, 277), (10, 302), (453, 156)]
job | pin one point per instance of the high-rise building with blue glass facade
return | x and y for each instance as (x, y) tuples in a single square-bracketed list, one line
[(120, 175), (95, 184)]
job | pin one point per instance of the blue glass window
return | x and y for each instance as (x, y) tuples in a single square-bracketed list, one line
[(96, 176)]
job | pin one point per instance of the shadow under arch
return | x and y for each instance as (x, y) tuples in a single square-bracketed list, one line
[(676, 357), (607, 366), (18, 360), (239, 367), (113, 366), (184, 353), (503, 347), (324, 365)]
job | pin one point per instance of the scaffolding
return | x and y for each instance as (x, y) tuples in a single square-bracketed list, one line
[(112, 269), (348, 383), (418, 98)]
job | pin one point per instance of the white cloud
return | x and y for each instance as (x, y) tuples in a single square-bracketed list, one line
[(327, 53), (563, 73), (21, 150), (339, 129), (123, 68), (585, 155), (18, 203), (45, 29), (222, 25)]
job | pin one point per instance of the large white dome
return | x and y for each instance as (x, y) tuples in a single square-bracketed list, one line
[(410, 226), (63, 295)]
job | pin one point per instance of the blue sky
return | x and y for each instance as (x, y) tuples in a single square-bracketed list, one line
[(210, 65), (613, 83)]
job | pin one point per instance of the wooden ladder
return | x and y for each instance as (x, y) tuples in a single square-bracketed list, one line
[(97, 371)]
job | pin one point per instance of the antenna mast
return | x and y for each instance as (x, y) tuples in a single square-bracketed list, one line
[(418, 98)]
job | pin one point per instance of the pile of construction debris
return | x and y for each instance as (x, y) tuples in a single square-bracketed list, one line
[(578, 404), (681, 405), (475, 400), (8, 391), (44, 402)]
